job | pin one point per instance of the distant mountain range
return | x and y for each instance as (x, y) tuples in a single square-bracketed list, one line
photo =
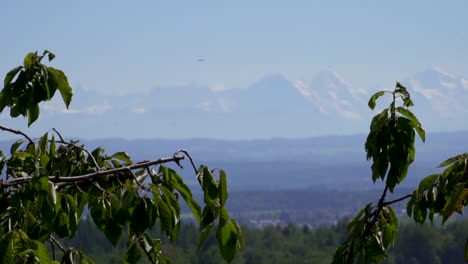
[(273, 106)]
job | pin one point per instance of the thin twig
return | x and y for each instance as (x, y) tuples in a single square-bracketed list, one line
[(58, 134), (397, 200), (17, 132), (83, 149), (53, 248), (190, 158), (57, 243)]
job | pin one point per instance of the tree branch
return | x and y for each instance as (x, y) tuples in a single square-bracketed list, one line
[(190, 158), (57, 243), (397, 200), (380, 205), (17, 132), (88, 176)]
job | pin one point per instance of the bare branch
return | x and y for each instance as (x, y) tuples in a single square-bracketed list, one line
[(89, 176), (80, 148), (190, 158), (17, 132), (375, 217), (397, 200), (58, 134), (57, 243)]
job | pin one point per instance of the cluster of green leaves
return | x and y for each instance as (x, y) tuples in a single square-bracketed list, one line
[(49, 183), (443, 194), (390, 146), (390, 143), (365, 243), (35, 83)]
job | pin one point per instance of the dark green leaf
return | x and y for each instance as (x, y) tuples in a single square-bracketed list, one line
[(204, 235), (43, 143), (113, 231), (454, 203), (58, 80), (133, 254), (10, 75), (33, 113), (223, 191), (374, 98), (227, 239), (15, 146), (139, 221)]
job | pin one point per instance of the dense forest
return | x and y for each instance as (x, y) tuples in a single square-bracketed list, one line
[(429, 243)]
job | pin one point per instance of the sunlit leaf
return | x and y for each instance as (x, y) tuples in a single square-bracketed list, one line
[(373, 98), (58, 80), (29, 59), (123, 156)]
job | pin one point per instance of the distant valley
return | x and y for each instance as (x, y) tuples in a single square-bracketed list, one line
[(335, 162)]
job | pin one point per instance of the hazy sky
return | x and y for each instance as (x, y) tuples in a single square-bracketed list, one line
[(121, 46), (130, 47)]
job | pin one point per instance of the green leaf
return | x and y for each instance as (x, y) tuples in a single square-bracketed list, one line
[(227, 237), (33, 113), (123, 156), (223, 192), (186, 194), (43, 143), (204, 235), (428, 182), (58, 80), (133, 254), (414, 122), (52, 148), (373, 98), (165, 214), (450, 161), (209, 187), (49, 54), (454, 203), (15, 146), (29, 59), (113, 231), (41, 252), (10, 75), (7, 251)]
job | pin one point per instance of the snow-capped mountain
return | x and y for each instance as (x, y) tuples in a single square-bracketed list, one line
[(273, 106)]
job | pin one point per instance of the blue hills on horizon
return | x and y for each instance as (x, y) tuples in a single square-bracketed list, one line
[(333, 162), (272, 107)]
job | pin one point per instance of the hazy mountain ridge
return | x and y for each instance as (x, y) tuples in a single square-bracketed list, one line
[(332, 161), (273, 106)]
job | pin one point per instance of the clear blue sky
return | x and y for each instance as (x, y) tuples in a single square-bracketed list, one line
[(120, 46)]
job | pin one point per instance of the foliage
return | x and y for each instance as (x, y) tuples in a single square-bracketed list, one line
[(390, 146), (50, 183), (425, 244)]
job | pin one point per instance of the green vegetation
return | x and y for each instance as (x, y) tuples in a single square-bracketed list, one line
[(390, 146), (50, 182), (416, 244)]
